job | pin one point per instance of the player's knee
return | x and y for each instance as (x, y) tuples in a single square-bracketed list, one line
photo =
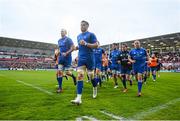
[(123, 76), (139, 77), (91, 74), (60, 73), (68, 73), (80, 74), (97, 71)]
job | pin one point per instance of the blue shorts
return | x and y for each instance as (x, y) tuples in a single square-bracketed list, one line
[(98, 65), (139, 68), (153, 69), (119, 70), (125, 70), (88, 62), (65, 62), (115, 68), (145, 67), (104, 68)]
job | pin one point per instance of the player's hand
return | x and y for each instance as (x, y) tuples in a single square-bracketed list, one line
[(119, 62), (82, 42), (64, 54), (76, 48), (148, 62), (129, 63), (133, 61)]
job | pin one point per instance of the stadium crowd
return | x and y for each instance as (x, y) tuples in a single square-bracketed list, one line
[(170, 61), (33, 59)]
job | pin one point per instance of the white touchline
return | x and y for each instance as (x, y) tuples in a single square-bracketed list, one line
[(154, 109), (143, 114), (113, 116), (35, 87), (86, 117)]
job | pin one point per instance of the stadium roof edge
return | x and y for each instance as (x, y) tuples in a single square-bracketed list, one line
[(155, 37), (13, 42), (26, 40), (149, 38)]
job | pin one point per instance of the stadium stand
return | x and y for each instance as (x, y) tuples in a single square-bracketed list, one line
[(24, 54)]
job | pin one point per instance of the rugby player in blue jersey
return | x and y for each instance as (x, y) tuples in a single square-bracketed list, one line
[(138, 57), (66, 46), (114, 62), (98, 52), (87, 41)]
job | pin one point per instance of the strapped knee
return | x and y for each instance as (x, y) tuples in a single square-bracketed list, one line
[(60, 73), (80, 74)]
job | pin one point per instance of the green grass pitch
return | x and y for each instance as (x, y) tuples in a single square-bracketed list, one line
[(29, 100)]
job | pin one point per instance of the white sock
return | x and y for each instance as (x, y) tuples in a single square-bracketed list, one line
[(79, 96)]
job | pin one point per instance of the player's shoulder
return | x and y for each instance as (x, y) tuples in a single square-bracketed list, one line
[(68, 38), (143, 49), (132, 50), (90, 33), (59, 39)]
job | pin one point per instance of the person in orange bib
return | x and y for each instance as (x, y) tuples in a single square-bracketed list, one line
[(104, 66), (153, 64)]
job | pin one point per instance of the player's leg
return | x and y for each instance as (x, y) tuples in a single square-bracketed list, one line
[(145, 74), (68, 69), (129, 77), (69, 73), (153, 73), (106, 73), (80, 77), (119, 72), (103, 74), (148, 71), (114, 74), (123, 76), (138, 70), (145, 77), (139, 84), (60, 77), (158, 70), (64, 75), (98, 74), (93, 81), (88, 80), (56, 67)]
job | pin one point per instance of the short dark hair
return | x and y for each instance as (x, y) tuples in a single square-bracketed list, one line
[(124, 44), (116, 44), (83, 21)]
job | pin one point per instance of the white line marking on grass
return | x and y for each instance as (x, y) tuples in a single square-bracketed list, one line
[(35, 87), (143, 114), (154, 109), (86, 117), (113, 116)]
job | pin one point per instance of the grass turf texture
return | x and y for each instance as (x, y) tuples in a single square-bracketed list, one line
[(18, 101)]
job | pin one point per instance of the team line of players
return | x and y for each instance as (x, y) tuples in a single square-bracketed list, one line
[(94, 61)]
